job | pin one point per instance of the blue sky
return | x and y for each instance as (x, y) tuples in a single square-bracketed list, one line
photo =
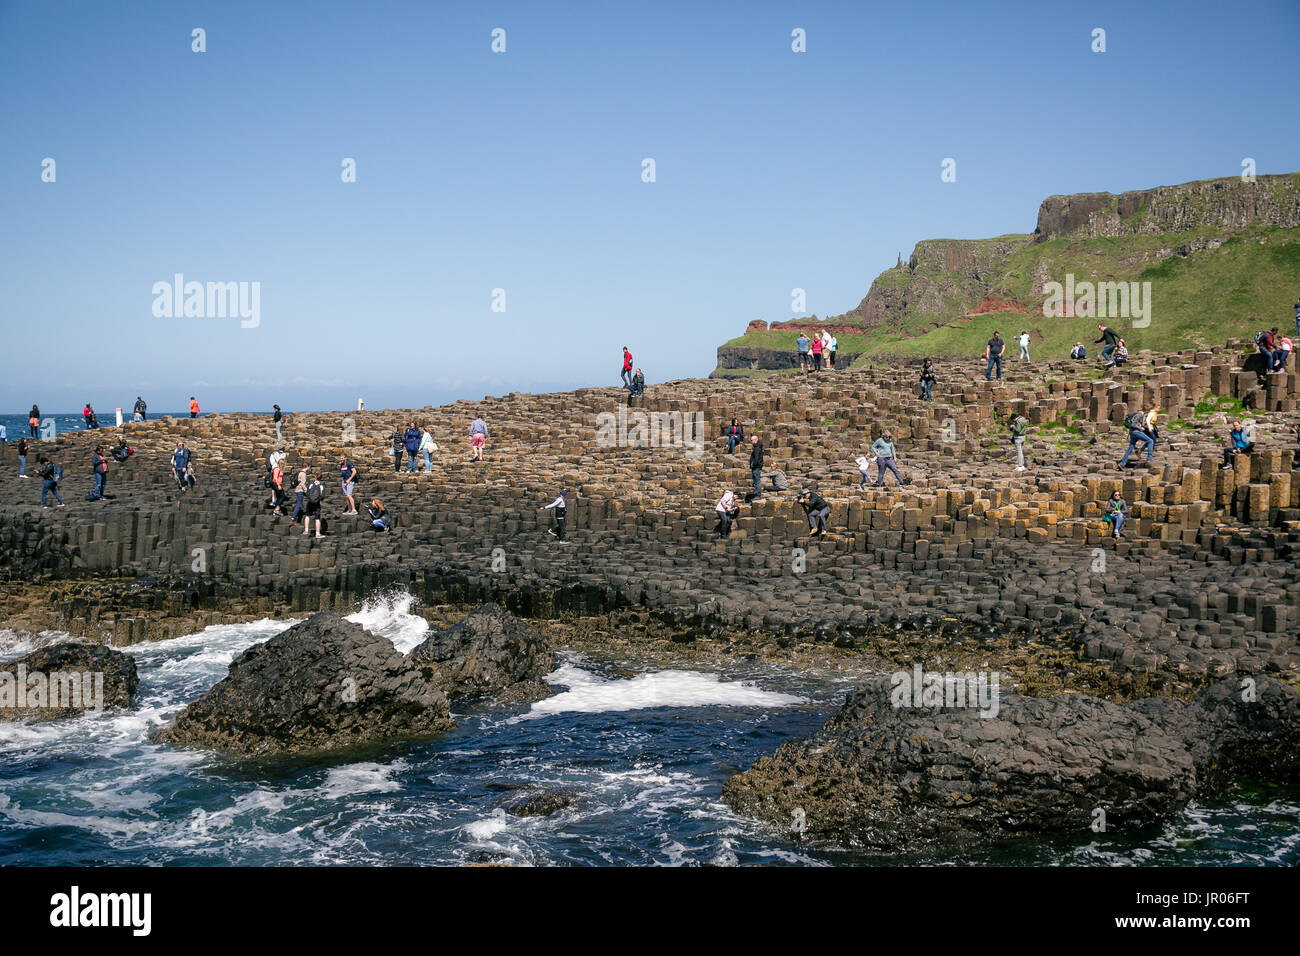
[(522, 171)]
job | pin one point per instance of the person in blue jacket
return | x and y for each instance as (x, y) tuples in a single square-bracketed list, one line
[(411, 438)]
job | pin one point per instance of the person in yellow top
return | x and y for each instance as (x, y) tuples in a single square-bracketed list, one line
[(194, 407), (1151, 428)]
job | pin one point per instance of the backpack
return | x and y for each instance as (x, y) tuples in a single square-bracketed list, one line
[(1019, 426), (58, 473), (314, 491), (1259, 337), (1135, 420)]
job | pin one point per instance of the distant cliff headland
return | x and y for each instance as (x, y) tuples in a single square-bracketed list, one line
[(1211, 260)]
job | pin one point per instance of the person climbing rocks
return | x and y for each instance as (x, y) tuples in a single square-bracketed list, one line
[(1109, 341), (477, 438), (927, 379), (1136, 422), (756, 467), (1019, 426), (728, 509), (194, 407), (50, 474), (411, 439), (99, 469), (993, 355), (301, 480), (22, 458), (141, 410), (1024, 346), (886, 457), (801, 346), (817, 511), (180, 464), (1240, 442), (734, 434), (1149, 425), (1115, 513), (427, 447), (277, 488), (561, 508), (348, 472), (864, 470), (313, 498), (379, 518), (626, 375)]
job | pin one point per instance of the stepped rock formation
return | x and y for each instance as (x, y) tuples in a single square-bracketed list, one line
[(899, 778), (488, 652), (71, 679)]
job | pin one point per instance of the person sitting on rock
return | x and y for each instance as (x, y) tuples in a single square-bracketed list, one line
[(1264, 346), (728, 509), (886, 455), (779, 480), (1078, 352), (1240, 442), (1116, 511), (817, 510), (734, 434), (637, 386), (1121, 354), (1282, 352), (379, 519)]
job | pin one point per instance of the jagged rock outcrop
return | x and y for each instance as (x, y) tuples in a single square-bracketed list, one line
[(65, 680), (323, 684), (904, 778), (488, 652)]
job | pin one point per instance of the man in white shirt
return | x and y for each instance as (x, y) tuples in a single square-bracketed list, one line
[(1024, 346)]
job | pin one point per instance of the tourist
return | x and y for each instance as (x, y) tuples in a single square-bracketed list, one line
[(835, 346), (273, 460), (88, 415), (427, 447), (561, 507), (801, 344), (313, 498), (51, 475), (277, 417), (1110, 338), (626, 376), (1149, 425), (1281, 352), (98, 469), (1024, 346), (637, 386), (34, 421), (180, 463), (734, 435), (301, 481), (348, 471), (1019, 429), (1121, 354), (864, 469), (1116, 511), (728, 509), (22, 458), (1136, 423), (277, 488), (756, 467), (1078, 352), (826, 347), (778, 479), (4, 436), (398, 442), (1240, 442), (886, 457), (379, 519), (1264, 346), (411, 439), (194, 407), (817, 511), (477, 438), (993, 355), (121, 451), (927, 380), (141, 409), (816, 349)]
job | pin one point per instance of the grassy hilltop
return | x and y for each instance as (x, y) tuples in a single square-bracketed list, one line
[(1222, 257)]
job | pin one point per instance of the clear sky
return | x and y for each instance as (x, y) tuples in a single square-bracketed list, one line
[(522, 171)]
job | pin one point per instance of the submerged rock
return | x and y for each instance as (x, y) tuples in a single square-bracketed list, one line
[(323, 684), (64, 680), (900, 779), (541, 803), (488, 652)]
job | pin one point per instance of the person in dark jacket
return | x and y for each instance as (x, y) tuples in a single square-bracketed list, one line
[(561, 506), (379, 519), (1110, 338), (278, 417), (1239, 443), (22, 458), (399, 446), (756, 466), (927, 380), (99, 468), (734, 434), (141, 409), (411, 439), (1116, 512), (49, 482), (817, 510)]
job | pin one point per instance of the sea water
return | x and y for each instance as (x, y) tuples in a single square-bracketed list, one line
[(643, 751)]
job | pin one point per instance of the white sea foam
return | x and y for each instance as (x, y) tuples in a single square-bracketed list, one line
[(589, 694), (488, 827), (389, 615)]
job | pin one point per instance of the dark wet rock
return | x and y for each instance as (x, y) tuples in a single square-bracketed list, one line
[(488, 652), (64, 680), (901, 779), (323, 684), (541, 804)]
